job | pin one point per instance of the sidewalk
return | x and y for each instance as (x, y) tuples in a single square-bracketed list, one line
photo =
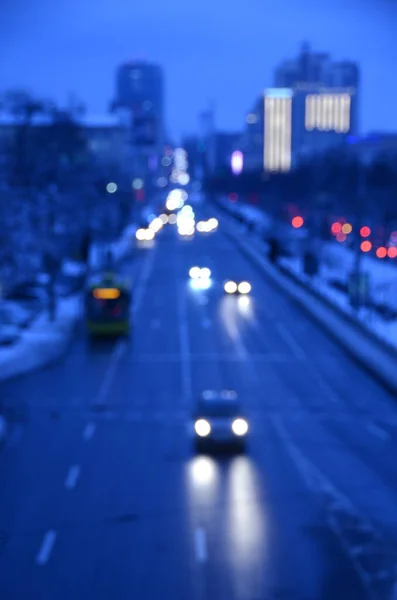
[(42, 342)]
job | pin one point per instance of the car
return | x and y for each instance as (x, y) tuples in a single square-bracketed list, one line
[(218, 421), (199, 273), (236, 288)]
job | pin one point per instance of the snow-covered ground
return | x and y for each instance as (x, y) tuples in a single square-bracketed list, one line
[(337, 262), (42, 342)]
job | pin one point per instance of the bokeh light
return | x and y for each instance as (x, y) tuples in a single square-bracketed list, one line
[(366, 246), (297, 222), (381, 252), (365, 231)]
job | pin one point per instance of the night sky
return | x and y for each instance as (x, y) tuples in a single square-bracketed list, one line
[(209, 49)]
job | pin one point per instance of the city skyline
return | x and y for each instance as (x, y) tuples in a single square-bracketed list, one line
[(54, 51)]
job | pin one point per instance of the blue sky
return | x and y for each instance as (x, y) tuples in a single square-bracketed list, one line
[(209, 49)]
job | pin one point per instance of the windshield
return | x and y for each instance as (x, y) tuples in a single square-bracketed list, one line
[(218, 408), (198, 196)]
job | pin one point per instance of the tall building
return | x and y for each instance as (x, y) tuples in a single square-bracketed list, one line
[(140, 91), (316, 69), (277, 146)]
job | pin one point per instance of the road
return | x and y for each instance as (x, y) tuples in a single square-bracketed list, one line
[(103, 498)]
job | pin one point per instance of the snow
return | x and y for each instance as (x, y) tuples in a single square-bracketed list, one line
[(337, 262), (43, 342)]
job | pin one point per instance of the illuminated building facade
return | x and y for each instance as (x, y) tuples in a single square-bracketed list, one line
[(277, 135)]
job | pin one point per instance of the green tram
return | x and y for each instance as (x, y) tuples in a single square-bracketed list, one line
[(108, 301)]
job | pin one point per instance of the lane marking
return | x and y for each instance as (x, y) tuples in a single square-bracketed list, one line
[(46, 547), (378, 431), (200, 543), (291, 341), (72, 477), (185, 355), (110, 372), (138, 295), (89, 431)]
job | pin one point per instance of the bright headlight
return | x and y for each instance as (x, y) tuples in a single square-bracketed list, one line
[(205, 273), (240, 427), (230, 287), (202, 428), (244, 287), (213, 223), (140, 234), (195, 272), (149, 235)]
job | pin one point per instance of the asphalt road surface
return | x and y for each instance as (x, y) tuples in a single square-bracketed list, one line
[(102, 496)]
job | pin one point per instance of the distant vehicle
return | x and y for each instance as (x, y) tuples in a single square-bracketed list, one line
[(219, 421), (233, 287), (108, 306)]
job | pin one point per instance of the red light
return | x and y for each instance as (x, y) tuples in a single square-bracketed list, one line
[(366, 246), (233, 197), (381, 252), (392, 252), (297, 222), (336, 228), (365, 231), (341, 237), (140, 195)]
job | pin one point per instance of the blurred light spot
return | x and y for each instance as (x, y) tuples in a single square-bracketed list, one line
[(200, 284), (365, 232), (203, 471), (205, 273), (392, 252), (137, 184), (297, 222), (156, 224), (341, 237), (336, 228), (237, 162), (162, 182), (111, 187), (213, 223), (230, 287), (194, 272), (366, 246), (347, 228), (240, 427), (244, 287), (172, 219), (164, 219), (202, 428), (381, 252)]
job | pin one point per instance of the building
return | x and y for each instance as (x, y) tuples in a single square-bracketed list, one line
[(317, 70), (286, 124), (140, 91)]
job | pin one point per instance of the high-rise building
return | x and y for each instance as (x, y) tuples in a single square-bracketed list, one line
[(140, 90), (316, 69), (277, 146)]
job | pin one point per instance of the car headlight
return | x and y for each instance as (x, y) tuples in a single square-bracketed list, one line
[(230, 287), (240, 427), (202, 428), (140, 234), (195, 272), (244, 287), (205, 273), (149, 235)]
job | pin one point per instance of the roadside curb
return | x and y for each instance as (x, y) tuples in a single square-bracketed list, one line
[(376, 356)]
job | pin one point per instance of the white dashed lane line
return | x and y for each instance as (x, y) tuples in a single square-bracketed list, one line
[(72, 477), (46, 547), (200, 543)]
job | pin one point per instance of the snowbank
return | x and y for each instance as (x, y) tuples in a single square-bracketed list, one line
[(43, 342)]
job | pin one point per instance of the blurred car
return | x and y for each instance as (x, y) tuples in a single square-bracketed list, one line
[(233, 287), (219, 421), (199, 273)]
